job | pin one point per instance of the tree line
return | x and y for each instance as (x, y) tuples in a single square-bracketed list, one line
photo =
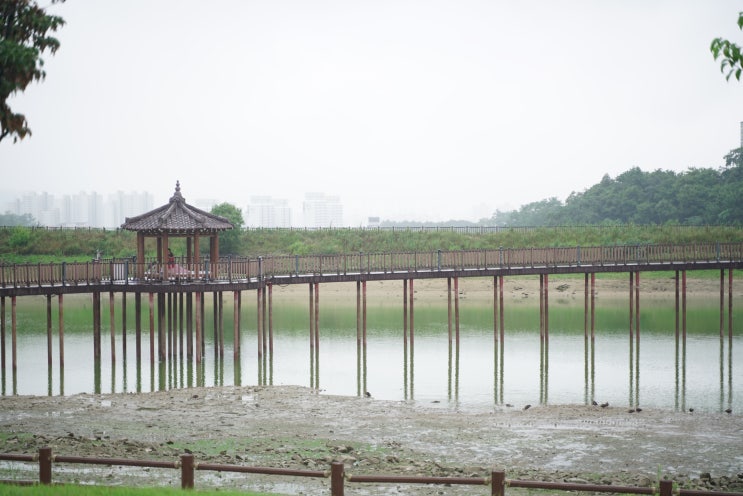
[(698, 196)]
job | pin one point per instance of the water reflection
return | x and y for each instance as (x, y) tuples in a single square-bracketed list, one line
[(483, 368)]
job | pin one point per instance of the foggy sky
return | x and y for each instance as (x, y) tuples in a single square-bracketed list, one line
[(425, 110)]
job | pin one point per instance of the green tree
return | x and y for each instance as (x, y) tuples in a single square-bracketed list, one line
[(731, 55), (229, 241), (25, 30)]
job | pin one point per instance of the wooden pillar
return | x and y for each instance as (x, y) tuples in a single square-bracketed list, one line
[(677, 306), (140, 256), (259, 316), (161, 353), (196, 263), (138, 325), (541, 307), (2, 334), (456, 310), (730, 306), (317, 320), (593, 308), (163, 248), (13, 333), (722, 303), (221, 324), (312, 320), (171, 342), (152, 328), (585, 306), (546, 308), (500, 313), (112, 325), (180, 324), (683, 306), (270, 319), (215, 321), (363, 314), (49, 330), (449, 309), (637, 306), (412, 322), (197, 318), (189, 325), (405, 319), (358, 314), (123, 324), (97, 325), (235, 326), (60, 303), (495, 311), (631, 307)]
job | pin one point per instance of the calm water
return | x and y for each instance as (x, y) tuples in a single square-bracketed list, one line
[(705, 374)]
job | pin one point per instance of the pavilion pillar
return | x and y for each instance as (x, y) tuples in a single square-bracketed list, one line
[(163, 249), (196, 255), (214, 254), (140, 255)]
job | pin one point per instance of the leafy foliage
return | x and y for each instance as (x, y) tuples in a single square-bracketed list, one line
[(697, 196), (24, 35), (229, 241), (730, 54)]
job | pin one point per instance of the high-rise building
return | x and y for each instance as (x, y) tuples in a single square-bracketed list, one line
[(264, 211), (321, 210)]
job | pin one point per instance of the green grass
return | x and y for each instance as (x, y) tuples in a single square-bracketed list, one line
[(69, 490)]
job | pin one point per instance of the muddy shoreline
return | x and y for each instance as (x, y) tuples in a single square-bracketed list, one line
[(297, 427)]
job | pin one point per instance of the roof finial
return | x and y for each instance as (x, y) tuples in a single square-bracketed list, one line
[(177, 195)]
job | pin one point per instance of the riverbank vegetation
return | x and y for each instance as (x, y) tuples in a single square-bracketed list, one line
[(39, 245)]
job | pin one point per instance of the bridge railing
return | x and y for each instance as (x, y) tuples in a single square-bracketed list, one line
[(125, 271)]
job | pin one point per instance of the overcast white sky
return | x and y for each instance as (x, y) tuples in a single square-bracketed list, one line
[(406, 109)]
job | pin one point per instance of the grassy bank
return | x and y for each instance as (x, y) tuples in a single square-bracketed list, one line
[(38, 245)]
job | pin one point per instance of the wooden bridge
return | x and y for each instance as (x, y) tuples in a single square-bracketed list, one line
[(238, 273), (193, 280)]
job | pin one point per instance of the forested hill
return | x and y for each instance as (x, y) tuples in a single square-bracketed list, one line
[(696, 196)]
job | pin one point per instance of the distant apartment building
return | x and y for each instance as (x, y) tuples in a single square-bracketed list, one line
[(321, 210), (264, 211), (82, 209)]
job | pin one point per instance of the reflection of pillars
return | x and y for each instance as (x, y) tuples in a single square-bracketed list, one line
[(637, 338), (730, 308), (502, 334), (363, 330), (412, 339), (358, 338), (215, 321), (676, 312), (61, 336), (495, 339), (456, 339), (111, 322), (631, 335), (317, 335), (546, 337), (312, 334), (220, 296), (683, 339), (593, 334), (405, 334), (235, 328), (586, 398), (203, 326), (542, 339), (13, 338)]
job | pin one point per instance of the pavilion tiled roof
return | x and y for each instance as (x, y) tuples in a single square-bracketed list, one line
[(177, 217)]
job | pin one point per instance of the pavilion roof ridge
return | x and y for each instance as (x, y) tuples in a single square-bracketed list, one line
[(177, 216)]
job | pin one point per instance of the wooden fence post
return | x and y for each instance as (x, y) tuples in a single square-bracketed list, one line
[(666, 488), (45, 465), (187, 471), (336, 479), (497, 483)]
